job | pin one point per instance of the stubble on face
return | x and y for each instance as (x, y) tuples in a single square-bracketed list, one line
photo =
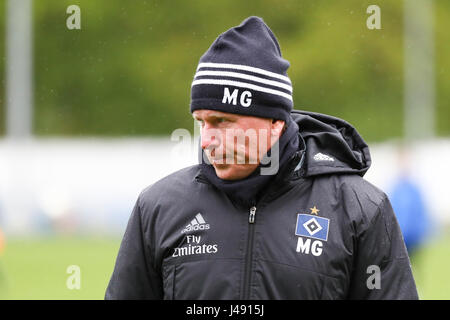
[(235, 144)]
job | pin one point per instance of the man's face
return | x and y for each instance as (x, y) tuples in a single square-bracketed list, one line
[(235, 144)]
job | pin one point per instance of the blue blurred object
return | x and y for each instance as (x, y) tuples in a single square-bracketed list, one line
[(409, 207)]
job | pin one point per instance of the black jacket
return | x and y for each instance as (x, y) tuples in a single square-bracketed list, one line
[(322, 233)]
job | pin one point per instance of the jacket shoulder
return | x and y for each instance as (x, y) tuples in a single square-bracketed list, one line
[(174, 186), (362, 189), (361, 200)]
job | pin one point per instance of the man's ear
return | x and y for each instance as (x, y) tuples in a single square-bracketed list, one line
[(278, 127)]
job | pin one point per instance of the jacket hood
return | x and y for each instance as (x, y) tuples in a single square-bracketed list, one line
[(332, 145)]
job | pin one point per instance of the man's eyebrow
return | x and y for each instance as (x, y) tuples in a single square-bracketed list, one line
[(219, 115), (197, 117), (215, 116)]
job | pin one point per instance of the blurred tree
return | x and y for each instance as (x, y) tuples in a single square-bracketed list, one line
[(128, 71), (442, 56), (2, 67)]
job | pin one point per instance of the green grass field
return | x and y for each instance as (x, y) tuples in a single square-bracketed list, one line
[(430, 267), (36, 268)]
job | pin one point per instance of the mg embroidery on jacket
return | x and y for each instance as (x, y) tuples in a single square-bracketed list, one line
[(314, 229)]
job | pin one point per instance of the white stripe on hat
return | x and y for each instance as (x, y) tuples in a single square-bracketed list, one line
[(244, 76), (242, 85), (242, 67)]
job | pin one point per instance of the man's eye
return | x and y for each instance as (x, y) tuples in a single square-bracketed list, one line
[(221, 120)]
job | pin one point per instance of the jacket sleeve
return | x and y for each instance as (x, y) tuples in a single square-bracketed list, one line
[(134, 276), (381, 268)]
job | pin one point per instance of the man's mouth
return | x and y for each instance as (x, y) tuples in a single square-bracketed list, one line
[(223, 159)]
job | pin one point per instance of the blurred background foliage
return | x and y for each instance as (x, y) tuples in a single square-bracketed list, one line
[(128, 71)]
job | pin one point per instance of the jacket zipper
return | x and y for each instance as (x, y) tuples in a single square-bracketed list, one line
[(249, 254)]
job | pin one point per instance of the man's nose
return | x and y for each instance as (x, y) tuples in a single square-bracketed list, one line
[(210, 137)]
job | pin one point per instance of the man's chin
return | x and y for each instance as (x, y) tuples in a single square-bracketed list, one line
[(223, 171), (232, 172)]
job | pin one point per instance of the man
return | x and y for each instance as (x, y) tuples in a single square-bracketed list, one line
[(278, 209)]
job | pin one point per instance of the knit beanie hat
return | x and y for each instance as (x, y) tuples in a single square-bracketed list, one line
[(243, 73)]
